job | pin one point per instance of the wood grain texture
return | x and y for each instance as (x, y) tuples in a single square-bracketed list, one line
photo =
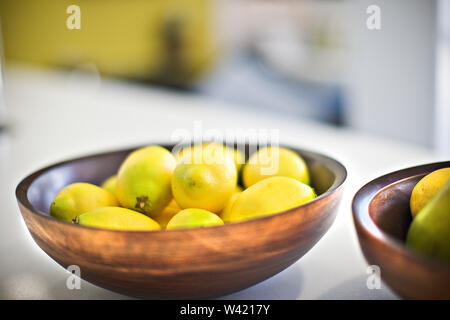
[(189, 263), (382, 216)]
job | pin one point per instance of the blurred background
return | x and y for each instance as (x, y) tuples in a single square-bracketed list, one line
[(85, 76), (306, 59)]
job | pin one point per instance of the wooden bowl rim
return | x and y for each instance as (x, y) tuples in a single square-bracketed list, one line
[(365, 195), (22, 192)]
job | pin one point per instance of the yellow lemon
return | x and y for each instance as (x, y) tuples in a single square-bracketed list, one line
[(167, 213), (118, 219), (226, 212), (211, 152), (193, 218), (78, 198), (204, 184), (274, 161), (270, 196), (144, 180), (426, 188), (110, 184)]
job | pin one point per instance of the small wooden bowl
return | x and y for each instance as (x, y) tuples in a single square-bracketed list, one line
[(188, 263), (382, 217)]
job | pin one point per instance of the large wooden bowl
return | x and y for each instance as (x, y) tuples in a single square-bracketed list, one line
[(189, 263), (382, 217)]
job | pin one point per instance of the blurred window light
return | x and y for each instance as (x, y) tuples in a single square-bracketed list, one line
[(442, 115), (2, 100)]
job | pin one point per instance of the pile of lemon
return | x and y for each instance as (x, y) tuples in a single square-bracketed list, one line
[(194, 187)]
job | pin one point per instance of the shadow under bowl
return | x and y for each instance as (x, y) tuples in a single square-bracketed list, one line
[(185, 263), (381, 214)]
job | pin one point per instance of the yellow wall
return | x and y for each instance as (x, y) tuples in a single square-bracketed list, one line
[(121, 37)]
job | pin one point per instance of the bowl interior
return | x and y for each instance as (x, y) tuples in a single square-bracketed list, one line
[(46, 183), (390, 209)]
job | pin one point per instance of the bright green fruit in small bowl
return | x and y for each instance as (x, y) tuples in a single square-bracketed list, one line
[(429, 232)]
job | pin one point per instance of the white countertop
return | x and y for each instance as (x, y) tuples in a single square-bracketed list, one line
[(56, 116)]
